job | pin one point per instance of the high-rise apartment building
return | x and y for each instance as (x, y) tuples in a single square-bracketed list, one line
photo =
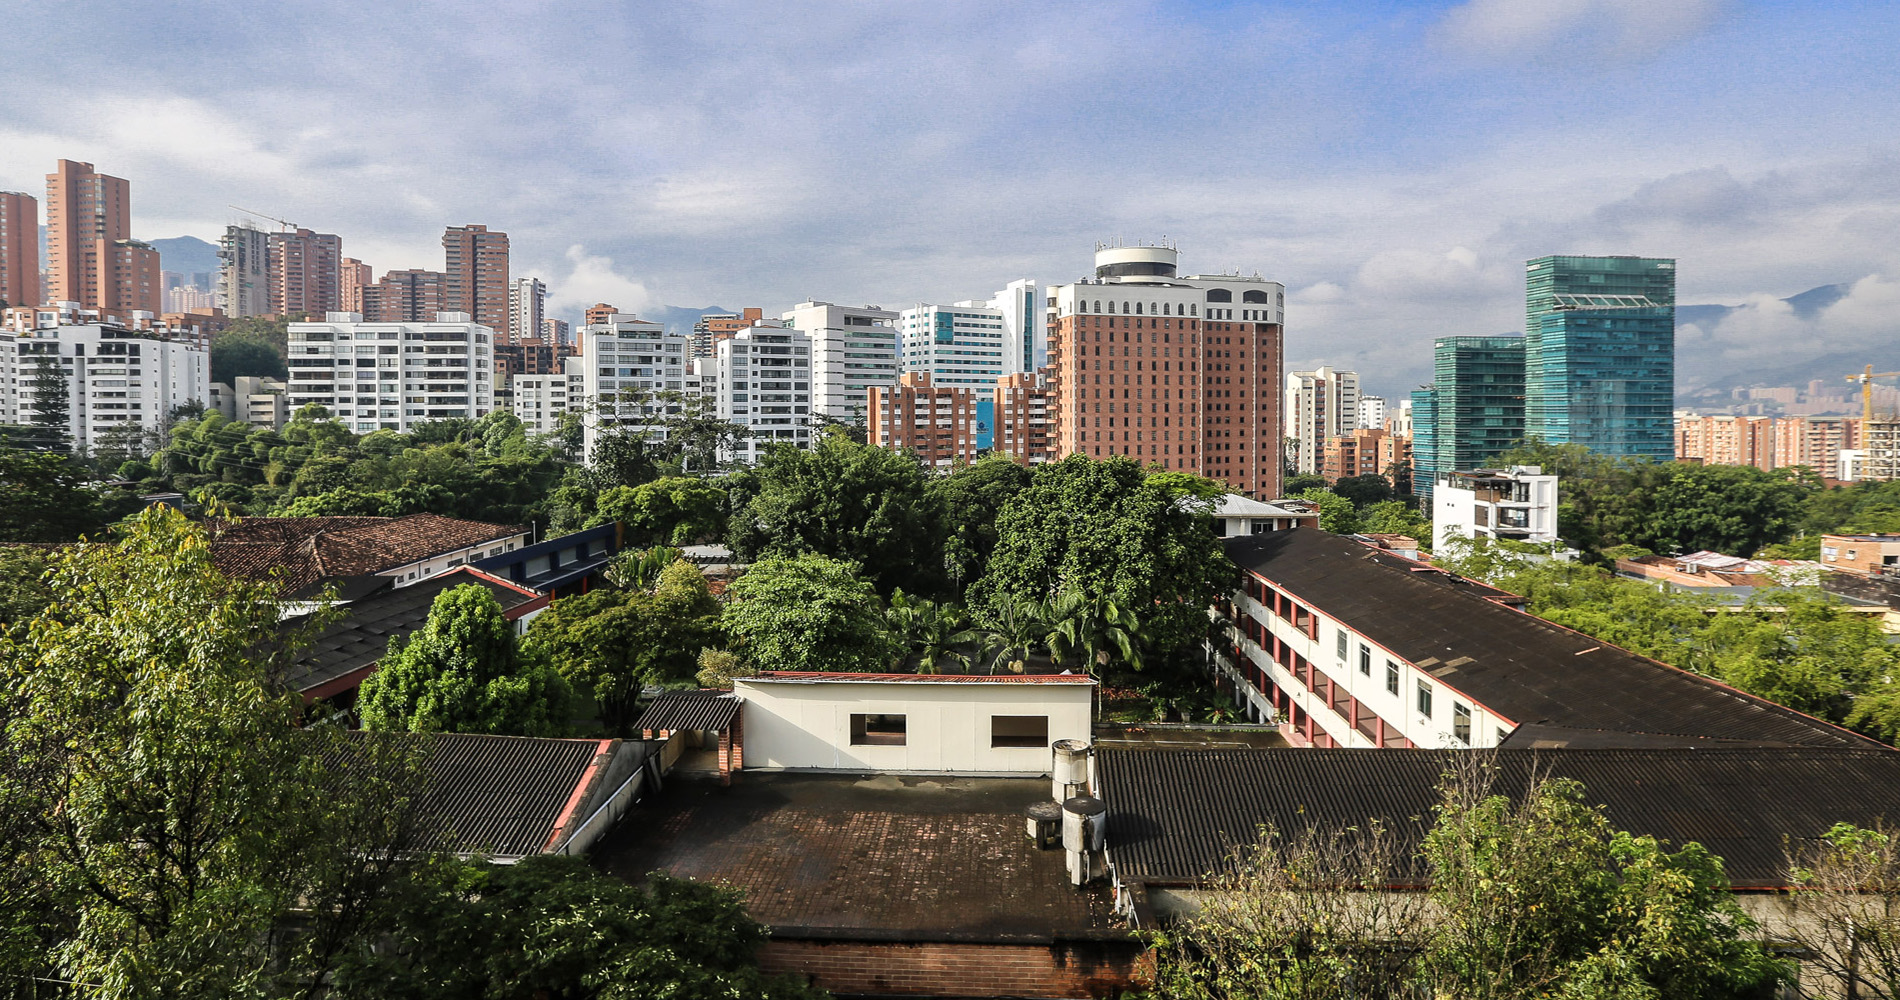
[(1372, 412), (1600, 353), (852, 350), (1025, 412), (527, 307), (412, 296), (937, 423), (91, 257), (305, 273), (121, 384), (629, 363), (475, 262), (957, 345), (1476, 406), (764, 377), (1765, 442), (244, 271), (392, 376), (19, 249), (712, 328), (353, 277), (1320, 405), (556, 331), (1183, 372), (1365, 451), (1425, 440), (1024, 320), (599, 312)]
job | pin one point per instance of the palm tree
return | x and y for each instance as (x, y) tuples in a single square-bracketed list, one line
[(640, 569), (935, 633), (1093, 631), (1013, 632)]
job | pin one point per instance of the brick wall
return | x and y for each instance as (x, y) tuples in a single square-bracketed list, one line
[(1062, 969)]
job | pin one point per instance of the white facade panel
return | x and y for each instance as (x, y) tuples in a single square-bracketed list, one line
[(949, 726)]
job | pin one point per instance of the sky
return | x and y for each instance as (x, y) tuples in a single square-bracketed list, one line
[(1393, 164)]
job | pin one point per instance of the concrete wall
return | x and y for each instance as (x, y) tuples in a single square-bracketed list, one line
[(808, 725)]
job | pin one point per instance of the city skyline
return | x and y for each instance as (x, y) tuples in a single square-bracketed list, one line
[(1394, 164)]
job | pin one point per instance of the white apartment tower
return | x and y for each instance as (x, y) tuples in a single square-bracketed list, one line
[(392, 376), (959, 345), (852, 349), (630, 366), (764, 384), (1320, 405), (1023, 326), (119, 382), (527, 307), (1372, 412)]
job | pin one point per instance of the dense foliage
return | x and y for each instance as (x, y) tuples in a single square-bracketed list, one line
[(1528, 896), (464, 672), (808, 612)]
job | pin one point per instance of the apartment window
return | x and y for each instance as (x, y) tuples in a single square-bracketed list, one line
[(1424, 699), (1461, 723), (1342, 645), (1019, 731), (1365, 659), (870, 730), (1391, 677)]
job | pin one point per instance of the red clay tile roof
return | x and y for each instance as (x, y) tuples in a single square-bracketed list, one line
[(824, 675), (303, 551)]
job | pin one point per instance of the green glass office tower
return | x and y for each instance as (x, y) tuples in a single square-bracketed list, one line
[(1600, 354), (1475, 406)]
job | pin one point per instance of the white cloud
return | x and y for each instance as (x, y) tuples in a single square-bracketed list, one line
[(593, 278), (1617, 29)]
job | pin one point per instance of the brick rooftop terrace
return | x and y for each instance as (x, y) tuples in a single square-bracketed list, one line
[(909, 857)]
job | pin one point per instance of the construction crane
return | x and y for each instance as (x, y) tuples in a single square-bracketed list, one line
[(1866, 380), (289, 227)]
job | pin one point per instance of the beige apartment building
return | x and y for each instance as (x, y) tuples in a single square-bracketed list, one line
[(305, 272), (412, 296), (1766, 442), (91, 257), (352, 278), (1025, 417)]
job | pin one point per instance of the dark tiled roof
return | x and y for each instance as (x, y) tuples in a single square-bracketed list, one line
[(348, 648), (507, 796), (908, 859), (1174, 816), (303, 551), (1516, 664), (679, 710)]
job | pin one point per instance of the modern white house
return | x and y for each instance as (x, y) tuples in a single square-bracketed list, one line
[(1239, 515), (1518, 503), (911, 723)]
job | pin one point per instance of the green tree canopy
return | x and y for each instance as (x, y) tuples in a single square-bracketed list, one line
[(553, 926), (972, 498), (674, 510), (237, 355), (612, 643), (1364, 491), (46, 497), (1107, 530), (1336, 513), (162, 829), (463, 673), (808, 612), (845, 501)]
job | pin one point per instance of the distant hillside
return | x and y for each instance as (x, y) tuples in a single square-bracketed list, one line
[(186, 254), (1700, 374)]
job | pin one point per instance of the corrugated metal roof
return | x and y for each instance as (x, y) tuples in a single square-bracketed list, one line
[(808, 676), (681, 710), (358, 640), (1520, 666), (1177, 815), (503, 795)]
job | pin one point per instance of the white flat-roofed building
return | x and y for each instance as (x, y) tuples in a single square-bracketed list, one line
[(630, 366), (392, 376), (120, 383), (1518, 503), (540, 401), (852, 349), (912, 723), (1239, 515), (764, 380)]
